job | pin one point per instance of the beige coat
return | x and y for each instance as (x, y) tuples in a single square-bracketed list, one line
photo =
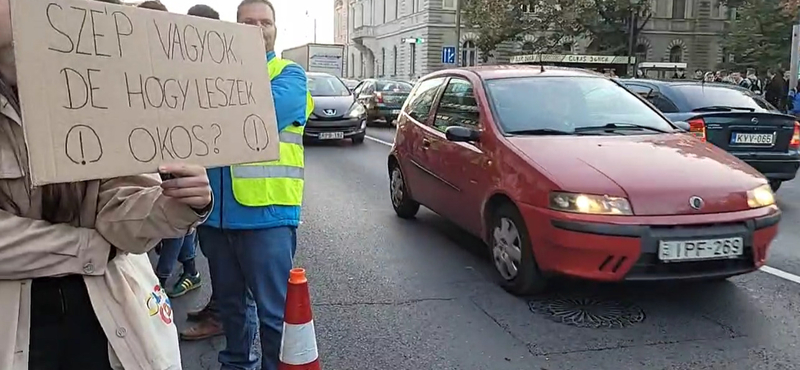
[(129, 213)]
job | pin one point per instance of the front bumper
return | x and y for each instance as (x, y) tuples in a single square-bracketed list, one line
[(614, 248), (347, 127)]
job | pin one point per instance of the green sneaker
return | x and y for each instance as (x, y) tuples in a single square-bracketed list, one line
[(185, 285)]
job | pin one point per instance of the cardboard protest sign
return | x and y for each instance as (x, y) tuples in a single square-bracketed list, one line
[(109, 90)]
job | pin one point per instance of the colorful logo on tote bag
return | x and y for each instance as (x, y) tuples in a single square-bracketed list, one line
[(158, 304)]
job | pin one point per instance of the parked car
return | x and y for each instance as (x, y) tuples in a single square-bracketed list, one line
[(337, 115), (566, 172), (732, 118), (383, 98), (351, 84)]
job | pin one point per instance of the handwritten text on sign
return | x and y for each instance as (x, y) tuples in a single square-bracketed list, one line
[(111, 90)]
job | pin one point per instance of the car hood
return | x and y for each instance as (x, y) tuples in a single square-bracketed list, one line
[(658, 173), (338, 105)]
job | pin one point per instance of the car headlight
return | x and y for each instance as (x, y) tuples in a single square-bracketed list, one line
[(356, 111), (589, 204), (761, 196)]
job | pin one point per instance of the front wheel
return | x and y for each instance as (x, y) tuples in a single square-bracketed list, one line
[(512, 253), (358, 139), (775, 184), (403, 205)]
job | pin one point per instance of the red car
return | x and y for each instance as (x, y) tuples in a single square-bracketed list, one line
[(565, 172)]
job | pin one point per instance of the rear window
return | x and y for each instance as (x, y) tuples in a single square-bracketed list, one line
[(326, 86), (392, 86), (700, 96), (567, 103)]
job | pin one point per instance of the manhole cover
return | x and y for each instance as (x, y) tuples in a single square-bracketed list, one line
[(589, 312)]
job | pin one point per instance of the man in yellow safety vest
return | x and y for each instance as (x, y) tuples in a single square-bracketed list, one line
[(250, 237)]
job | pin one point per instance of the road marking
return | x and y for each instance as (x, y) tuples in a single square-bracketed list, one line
[(781, 274), (379, 141), (770, 270)]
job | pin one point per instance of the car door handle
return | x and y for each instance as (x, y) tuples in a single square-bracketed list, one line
[(426, 144)]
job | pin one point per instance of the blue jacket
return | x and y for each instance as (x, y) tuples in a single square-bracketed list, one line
[(289, 92), (795, 98)]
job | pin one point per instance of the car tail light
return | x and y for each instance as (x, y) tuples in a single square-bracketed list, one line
[(795, 143), (378, 97), (697, 127)]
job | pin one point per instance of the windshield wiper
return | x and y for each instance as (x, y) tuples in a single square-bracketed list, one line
[(722, 108), (540, 131), (617, 126)]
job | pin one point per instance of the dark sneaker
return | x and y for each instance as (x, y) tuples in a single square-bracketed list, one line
[(185, 285)]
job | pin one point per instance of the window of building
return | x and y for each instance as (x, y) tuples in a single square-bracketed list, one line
[(469, 54), (678, 9), (363, 66), (412, 54), (383, 61), (421, 99), (640, 53), (449, 4), (566, 47), (414, 5), (384, 11), (394, 61), (527, 48), (676, 54), (457, 106), (352, 64), (396, 8)]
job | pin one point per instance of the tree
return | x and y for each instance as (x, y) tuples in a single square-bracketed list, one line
[(549, 21), (760, 37), (608, 23)]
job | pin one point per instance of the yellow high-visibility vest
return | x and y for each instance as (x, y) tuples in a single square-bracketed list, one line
[(278, 182)]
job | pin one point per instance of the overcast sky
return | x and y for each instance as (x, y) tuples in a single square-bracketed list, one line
[(294, 26)]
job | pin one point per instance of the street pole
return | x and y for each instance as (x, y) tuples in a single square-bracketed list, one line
[(458, 33), (630, 43), (795, 59)]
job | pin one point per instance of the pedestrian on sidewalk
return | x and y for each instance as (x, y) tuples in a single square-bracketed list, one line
[(73, 256), (251, 235), (207, 323)]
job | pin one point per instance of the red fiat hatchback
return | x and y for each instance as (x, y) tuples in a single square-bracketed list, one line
[(565, 172)]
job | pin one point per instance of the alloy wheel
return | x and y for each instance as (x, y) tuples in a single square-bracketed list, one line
[(506, 248), (397, 187)]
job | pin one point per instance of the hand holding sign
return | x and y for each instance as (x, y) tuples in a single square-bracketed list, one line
[(188, 184)]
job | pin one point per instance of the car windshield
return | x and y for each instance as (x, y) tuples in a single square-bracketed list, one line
[(326, 86), (392, 86), (546, 105), (699, 96)]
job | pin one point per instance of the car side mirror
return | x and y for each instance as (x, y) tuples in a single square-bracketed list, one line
[(462, 134), (683, 125)]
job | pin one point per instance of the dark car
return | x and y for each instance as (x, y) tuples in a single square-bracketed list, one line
[(732, 118), (337, 115), (565, 172), (382, 98)]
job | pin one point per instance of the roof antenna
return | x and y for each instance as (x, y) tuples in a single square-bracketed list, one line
[(541, 62)]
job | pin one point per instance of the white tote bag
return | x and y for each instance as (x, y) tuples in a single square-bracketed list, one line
[(150, 314)]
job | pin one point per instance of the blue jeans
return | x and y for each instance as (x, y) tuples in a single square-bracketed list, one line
[(175, 250), (249, 276)]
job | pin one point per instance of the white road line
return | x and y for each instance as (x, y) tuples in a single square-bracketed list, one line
[(379, 141), (781, 274), (770, 270)]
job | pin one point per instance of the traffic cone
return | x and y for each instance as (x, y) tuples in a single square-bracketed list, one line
[(299, 342)]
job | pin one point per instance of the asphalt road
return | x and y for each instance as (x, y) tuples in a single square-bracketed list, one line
[(395, 294)]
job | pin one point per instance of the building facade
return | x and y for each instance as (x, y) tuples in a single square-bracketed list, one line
[(679, 31)]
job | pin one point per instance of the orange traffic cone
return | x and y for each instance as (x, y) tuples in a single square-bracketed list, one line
[(299, 342)]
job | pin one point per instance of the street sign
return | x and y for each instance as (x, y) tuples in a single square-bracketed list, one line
[(448, 54), (412, 40)]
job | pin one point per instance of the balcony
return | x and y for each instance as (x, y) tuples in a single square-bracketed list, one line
[(362, 32)]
